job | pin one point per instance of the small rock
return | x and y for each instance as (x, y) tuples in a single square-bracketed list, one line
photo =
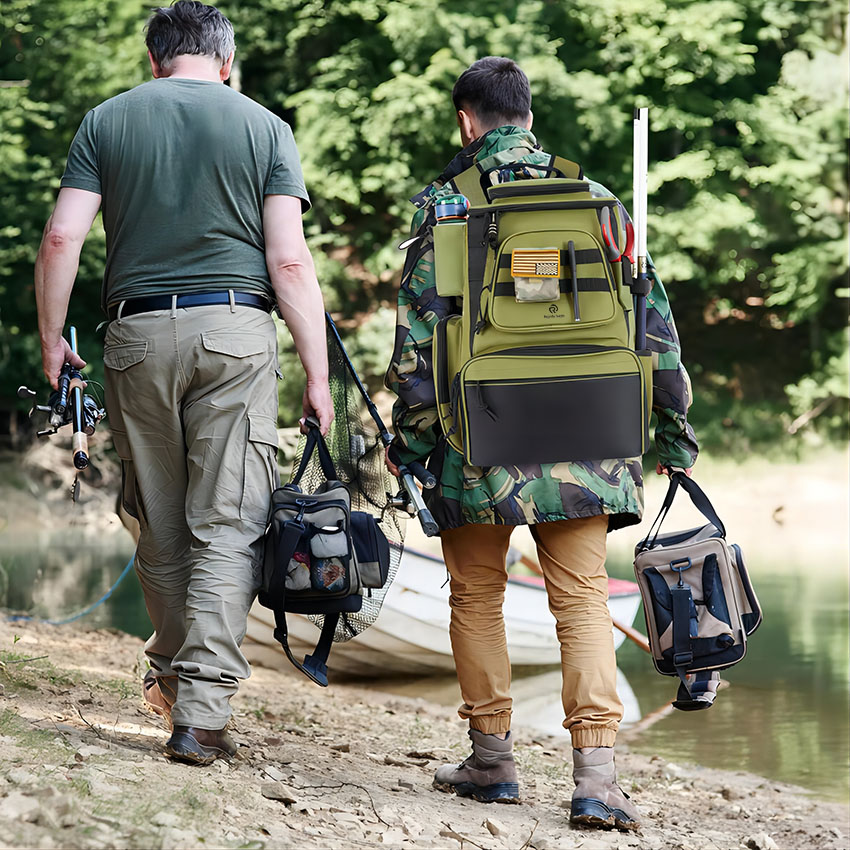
[(761, 841), (18, 806), (393, 837), (407, 786), (495, 827), (394, 762), (411, 828), (417, 754), (273, 773), (342, 748), (2, 689), (730, 794), (279, 792), (388, 815), (272, 741), (836, 832), (165, 819), (543, 843), (91, 750), (20, 776), (345, 817)]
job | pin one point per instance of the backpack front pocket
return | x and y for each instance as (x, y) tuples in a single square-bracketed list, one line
[(549, 405), (582, 270)]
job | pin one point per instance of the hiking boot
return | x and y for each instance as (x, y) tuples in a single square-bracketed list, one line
[(598, 800), (159, 694), (199, 746), (488, 775)]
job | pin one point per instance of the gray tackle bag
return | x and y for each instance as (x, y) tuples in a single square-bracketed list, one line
[(698, 599)]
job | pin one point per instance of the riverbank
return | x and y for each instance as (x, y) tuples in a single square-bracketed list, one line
[(81, 766)]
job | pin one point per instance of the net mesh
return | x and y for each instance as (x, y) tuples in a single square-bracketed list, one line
[(358, 455)]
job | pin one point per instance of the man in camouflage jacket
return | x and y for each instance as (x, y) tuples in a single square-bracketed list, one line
[(569, 506)]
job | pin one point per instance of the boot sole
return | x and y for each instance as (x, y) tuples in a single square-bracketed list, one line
[(595, 813), (501, 792)]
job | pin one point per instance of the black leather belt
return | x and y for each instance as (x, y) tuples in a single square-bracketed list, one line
[(196, 299)]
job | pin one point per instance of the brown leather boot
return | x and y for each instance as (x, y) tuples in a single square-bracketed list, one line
[(199, 746), (159, 694), (488, 775), (598, 800)]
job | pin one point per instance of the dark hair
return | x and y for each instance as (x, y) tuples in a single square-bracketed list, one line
[(188, 28), (495, 89)]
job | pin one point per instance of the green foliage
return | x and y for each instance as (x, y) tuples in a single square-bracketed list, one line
[(58, 59), (747, 164)]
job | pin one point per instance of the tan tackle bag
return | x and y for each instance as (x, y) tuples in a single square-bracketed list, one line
[(698, 599)]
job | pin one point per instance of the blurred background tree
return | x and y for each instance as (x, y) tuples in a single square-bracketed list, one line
[(748, 164)]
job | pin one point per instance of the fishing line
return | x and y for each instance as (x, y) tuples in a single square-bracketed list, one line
[(26, 618)]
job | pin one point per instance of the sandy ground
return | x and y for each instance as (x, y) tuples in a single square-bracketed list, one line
[(81, 766)]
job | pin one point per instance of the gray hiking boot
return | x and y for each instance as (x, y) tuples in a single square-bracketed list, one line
[(598, 800), (488, 775)]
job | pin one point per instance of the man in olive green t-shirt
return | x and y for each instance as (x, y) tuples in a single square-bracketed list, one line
[(202, 196)]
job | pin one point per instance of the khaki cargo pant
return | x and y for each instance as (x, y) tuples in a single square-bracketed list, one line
[(192, 402), (572, 555)]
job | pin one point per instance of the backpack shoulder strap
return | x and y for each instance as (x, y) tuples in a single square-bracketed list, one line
[(468, 183), (571, 169)]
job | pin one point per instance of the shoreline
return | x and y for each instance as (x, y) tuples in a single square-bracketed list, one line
[(81, 766)]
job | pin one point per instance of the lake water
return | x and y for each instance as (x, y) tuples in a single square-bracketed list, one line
[(784, 715)]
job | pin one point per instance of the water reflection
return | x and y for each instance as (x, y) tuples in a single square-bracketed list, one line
[(785, 714)]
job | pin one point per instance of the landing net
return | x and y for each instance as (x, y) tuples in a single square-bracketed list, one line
[(358, 455)]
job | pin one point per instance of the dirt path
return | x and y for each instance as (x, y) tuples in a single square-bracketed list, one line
[(81, 767)]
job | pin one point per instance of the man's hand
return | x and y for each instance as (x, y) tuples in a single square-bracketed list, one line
[(394, 470), (54, 357), (317, 402), (669, 470)]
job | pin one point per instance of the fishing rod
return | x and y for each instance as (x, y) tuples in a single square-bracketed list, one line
[(69, 404), (409, 499), (641, 284)]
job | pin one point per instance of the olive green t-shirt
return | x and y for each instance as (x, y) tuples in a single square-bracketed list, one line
[(182, 167)]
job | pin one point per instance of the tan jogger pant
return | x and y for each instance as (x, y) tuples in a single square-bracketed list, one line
[(572, 555), (192, 402)]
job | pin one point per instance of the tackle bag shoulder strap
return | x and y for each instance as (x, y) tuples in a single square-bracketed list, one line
[(700, 502)]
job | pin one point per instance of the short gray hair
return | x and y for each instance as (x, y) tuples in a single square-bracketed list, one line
[(188, 28)]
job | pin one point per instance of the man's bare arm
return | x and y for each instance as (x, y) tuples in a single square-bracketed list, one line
[(299, 299), (55, 272)]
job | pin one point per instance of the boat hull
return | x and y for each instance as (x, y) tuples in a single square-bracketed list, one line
[(411, 635)]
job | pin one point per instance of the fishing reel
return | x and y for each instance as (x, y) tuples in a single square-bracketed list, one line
[(69, 405), (58, 408)]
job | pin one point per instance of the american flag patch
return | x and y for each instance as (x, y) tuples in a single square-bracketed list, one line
[(536, 262)]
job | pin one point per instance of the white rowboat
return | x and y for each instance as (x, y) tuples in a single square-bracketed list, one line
[(411, 635)]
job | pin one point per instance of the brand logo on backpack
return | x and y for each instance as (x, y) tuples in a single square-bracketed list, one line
[(554, 313)]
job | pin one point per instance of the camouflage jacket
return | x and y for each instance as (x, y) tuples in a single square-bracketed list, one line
[(518, 495)]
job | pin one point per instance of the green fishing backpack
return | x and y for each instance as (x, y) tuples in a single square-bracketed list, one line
[(540, 366)]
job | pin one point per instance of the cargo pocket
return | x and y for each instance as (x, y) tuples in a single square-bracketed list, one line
[(122, 355), (259, 475), (131, 499)]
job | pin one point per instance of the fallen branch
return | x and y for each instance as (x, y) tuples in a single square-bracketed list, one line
[(530, 836), (807, 417), (23, 660), (462, 837), (343, 785), (91, 726)]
